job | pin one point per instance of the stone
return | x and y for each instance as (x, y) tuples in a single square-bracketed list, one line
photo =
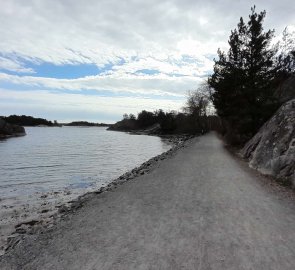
[(21, 230), (272, 150), (64, 209)]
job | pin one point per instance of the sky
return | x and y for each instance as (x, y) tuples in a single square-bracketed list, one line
[(95, 60)]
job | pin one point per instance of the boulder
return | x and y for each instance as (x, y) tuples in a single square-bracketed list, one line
[(8, 130), (272, 150)]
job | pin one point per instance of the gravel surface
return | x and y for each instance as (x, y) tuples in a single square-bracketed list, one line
[(201, 208)]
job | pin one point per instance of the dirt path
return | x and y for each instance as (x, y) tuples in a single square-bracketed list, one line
[(201, 209)]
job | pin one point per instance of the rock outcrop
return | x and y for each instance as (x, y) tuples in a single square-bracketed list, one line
[(8, 130), (286, 91), (272, 150)]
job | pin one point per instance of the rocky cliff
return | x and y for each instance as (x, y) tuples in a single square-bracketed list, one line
[(272, 150), (8, 130)]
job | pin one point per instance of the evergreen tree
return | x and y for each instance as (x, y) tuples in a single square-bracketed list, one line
[(242, 78)]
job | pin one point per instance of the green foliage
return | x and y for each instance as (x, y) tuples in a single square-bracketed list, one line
[(243, 77)]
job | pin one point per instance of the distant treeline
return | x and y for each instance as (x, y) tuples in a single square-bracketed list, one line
[(24, 120), (86, 124), (160, 122)]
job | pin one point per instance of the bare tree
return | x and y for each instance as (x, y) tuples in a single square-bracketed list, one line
[(286, 51), (198, 100)]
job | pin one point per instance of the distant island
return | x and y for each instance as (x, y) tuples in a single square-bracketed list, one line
[(86, 124), (30, 121)]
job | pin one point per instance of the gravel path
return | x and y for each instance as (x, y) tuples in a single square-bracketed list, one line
[(200, 209)]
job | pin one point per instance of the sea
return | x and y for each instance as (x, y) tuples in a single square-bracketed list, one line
[(52, 165)]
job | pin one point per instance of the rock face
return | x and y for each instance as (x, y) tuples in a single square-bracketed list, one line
[(286, 91), (272, 150), (8, 130)]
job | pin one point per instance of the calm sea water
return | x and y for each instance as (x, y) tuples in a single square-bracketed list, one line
[(70, 158), (51, 166)]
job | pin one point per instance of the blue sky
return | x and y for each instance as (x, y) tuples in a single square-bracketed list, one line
[(67, 71), (67, 60)]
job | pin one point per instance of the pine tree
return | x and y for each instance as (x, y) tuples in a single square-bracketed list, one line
[(242, 78)]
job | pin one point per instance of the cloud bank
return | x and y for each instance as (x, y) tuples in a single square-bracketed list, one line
[(150, 51)]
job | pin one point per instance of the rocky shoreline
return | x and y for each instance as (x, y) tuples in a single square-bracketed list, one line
[(37, 226)]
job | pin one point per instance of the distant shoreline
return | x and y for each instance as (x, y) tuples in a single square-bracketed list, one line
[(30, 121)]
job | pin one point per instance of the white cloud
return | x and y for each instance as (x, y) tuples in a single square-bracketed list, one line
[(90, 106), (160, 84), (175, 37), (197, 66), (13, 65), (101, 31)]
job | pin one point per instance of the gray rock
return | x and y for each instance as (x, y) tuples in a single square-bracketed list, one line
[(272, 150), (63, 209), (21, 230), (286, 90)]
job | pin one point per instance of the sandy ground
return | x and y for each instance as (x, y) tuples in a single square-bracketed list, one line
[(200, 209)]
